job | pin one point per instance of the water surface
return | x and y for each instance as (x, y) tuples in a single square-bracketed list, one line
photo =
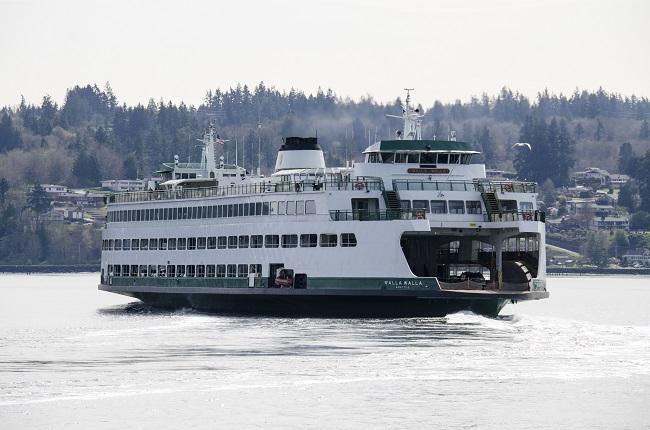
[(74, 357)]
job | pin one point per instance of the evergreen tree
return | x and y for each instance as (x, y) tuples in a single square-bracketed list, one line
[(86, 170), (38, 200), (4, 187), (626, 159), (628, 196), (644, 132), (130, 167), (487, 145), (9, 136), (600, 131)]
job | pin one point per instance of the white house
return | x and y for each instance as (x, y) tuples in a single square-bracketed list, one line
[(120, 185)]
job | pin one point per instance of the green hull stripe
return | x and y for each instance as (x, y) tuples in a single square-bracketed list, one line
[(379, 284)]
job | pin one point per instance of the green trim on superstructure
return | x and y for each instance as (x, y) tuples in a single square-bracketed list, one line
[(365, 284), (424, 145)]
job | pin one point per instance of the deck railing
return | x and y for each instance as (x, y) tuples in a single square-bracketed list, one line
[(361, 184), (516, 216), (480, 186), (386, 215)]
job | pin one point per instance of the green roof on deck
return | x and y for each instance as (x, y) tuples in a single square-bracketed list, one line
[(421, 145)]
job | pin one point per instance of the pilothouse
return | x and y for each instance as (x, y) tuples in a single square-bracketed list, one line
[(415, 229)]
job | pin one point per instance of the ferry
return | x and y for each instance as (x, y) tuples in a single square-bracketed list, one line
[(413, 230)]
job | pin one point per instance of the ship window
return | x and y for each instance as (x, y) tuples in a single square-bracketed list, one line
[(173, 213), (473, 207), (508, 205), (328, 240), (428, 158), (200, 271), (291, 207), (212, 242), (282, 208), (143, 271), (405, 204), (191, 243), (162, 244), (232, 242), (348, 240), (180, 270), (219, 211), (373, 157), (153, 271), (387, 157), (246, 209), (134, 270), (165, 213), (265, 208), (171, 244), (454, 158), (255, 268), (271, 241), (232, 271), (465, 158), (243, 241), (251, 209), (159, 214), (204, 212), (201, 242), (111, 244), (235, 210), (191, 271), (274, 208), (162, 271), (456, 207), (242, 270), (145, 215), (257, 241), (289, 240), (401, 157), (144, 244), (258, 208), (209, 271), (414, 157), (181, 243), (126, 244), (421, 204), (118, 270), (308, 240), (151, 214), (438, 206), (153, 244), (241, 209), (443, 158), (222, 242), (118, 244), (135, 244), (310, 207), (171, 271), (125, 270), (221, 270), (230, 211), (523, 206), (300, 207)]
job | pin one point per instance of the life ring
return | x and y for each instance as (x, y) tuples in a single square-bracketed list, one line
[(419, 215), (508, 188), (359, 185), (528, 216)]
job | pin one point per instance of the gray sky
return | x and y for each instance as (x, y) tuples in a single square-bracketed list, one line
[(445, 49)]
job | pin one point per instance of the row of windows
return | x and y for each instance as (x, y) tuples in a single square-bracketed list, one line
[(418, 158), (444, 206), (185, 271), (460, 206), (288, 207), (230, 242)]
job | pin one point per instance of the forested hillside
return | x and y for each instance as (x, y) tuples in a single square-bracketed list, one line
[(92, 136)]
